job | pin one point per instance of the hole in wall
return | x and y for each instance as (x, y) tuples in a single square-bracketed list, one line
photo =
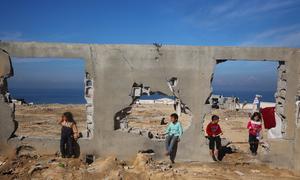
[(148, 113), (42, 89)]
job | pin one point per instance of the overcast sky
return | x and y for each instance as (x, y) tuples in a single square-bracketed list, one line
[(188, 22)]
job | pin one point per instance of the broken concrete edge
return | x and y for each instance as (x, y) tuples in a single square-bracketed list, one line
[(6, 71), (140, 89), (194, 65), (280, 94)]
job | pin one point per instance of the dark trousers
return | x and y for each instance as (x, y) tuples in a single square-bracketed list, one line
[(171, 146), (66, 142), (214, 141), (253, 142)]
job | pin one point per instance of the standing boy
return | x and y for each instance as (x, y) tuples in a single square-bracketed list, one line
[(214, 131), (174, 132)]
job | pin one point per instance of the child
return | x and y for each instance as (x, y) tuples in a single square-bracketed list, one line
[(69, 132), (254, 126), (174, 132), (214, 131)]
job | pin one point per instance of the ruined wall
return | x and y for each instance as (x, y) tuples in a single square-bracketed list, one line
[(297, 132), (6, 112), (114, 68)]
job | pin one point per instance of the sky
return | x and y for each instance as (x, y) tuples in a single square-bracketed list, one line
[(58, 73), (247, 76), (274, 23)]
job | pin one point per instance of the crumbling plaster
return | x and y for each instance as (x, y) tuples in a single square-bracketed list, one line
[(114, 68)]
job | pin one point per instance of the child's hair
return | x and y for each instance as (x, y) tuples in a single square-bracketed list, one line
[(175, 116), (256, 114), (214, 117), (69, 116)]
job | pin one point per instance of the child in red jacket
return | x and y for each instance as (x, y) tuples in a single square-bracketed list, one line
[(214, 131), (254, 126)]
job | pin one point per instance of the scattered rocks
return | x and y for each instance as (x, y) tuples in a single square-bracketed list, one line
[(255, 171), (141, 161), (239, 173), (35, 168), (180, 171), (100, 165), (25, 150), (2, 163), (165, 167)]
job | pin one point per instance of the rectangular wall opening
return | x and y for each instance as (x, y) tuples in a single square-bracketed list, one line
[(235, 86), (42, 89)]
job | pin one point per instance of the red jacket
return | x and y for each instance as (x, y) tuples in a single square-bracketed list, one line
[(254, 127), (213, 129)]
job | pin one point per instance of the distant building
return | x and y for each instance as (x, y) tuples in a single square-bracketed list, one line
[(19, 101), (156, 98)]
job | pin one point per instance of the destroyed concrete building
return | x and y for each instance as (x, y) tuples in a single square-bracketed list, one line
[(112, 69)]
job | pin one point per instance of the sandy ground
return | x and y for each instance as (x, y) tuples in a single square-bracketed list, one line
[(249, 106), (41, 120), (26, 164), (234, 126), (32, 166), (149, 116)]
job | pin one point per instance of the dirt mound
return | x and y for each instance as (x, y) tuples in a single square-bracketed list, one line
[(142, 167)]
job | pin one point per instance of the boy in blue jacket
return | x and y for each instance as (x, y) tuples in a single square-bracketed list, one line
[(173, 132)]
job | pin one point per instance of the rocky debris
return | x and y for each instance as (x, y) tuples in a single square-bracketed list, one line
[(144, 132), (180, 171), (165, 167), (35, 168), (142, 167), (101, 166), (2, 163), (255, 171), (25, 150), (239, 173), (141, 161)]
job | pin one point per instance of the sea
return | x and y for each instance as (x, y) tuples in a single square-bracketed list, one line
[(76, 96), (49, 96), (248, 96)]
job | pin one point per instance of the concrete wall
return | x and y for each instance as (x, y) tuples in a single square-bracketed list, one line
[(7, 125), (114, 68)]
